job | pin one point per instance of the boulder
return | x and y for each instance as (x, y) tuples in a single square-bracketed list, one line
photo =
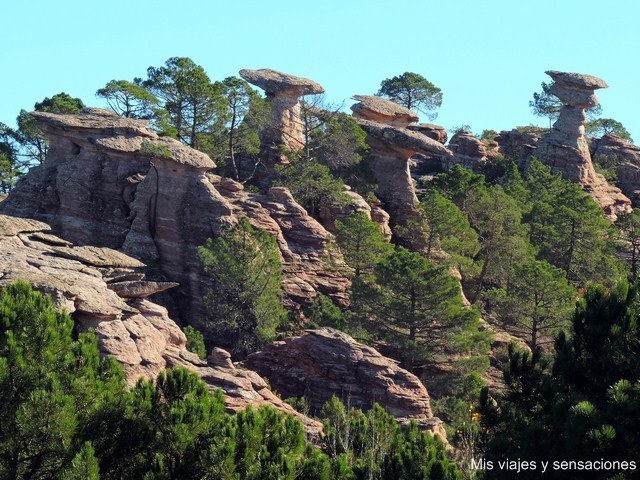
[(330, 212), (325, 362), (625, 158), (283, 93), (468, 151), (565, 148), (436, 132), (377, 109)]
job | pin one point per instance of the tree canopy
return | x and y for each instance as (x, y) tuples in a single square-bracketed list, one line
[(413, 91)]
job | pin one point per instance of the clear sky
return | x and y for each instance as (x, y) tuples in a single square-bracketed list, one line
[(488, 57)]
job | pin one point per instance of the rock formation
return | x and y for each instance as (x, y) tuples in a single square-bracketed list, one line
[(565, 147), (392, 145), (283, 93), (112, 182), (90, 283), (468, 151), (326, 362), (624, 156), (435, 132), (329, 212)]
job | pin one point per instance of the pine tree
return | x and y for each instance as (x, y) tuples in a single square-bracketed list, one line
[(244, 301), (362, 242)]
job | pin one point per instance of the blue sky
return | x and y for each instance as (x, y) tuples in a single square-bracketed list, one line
[(488, 57)]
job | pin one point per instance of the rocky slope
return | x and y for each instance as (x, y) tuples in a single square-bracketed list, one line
[(112, 182), (625, 158), (105, 290)]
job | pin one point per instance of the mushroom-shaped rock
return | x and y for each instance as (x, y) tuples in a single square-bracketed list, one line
[(565, 147), (283, 93), (371, 107), (391, 149), (274, 82)]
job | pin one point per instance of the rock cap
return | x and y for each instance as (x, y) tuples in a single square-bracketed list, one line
[(403, 138), (272, 81), (95, 119), (372, 107), (577, 80)]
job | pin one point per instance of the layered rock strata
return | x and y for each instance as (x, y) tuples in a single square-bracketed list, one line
[(392, 146), (326, 362), (112, 182), (283, 93), (92, 283), (565, 147)]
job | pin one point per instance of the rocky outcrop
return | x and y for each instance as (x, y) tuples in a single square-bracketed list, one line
[(283, 94), (565, 147), (519, 143), (111, 182), (468, 151), (435, 132), (326, 362), (624, 157), (330, 212), (139, 334), (392, 146)]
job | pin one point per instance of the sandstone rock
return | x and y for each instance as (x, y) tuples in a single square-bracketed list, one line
[(625, 157), (468, 151), (139, 288), (139, 334), (436, 132), (110, 182), (283, 92), (330, 212), (371, 107), (565, 147), (326, 362), (391, 149)]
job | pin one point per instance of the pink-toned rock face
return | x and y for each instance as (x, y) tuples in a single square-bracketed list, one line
[(565, 147), (436, 132), (283, 93), (468, 151), (123, 187), (139, 334), (392, 147), (326, 362), (625, 156), (377, 109)]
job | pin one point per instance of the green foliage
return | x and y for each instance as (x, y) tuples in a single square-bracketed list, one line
[(545, 104), (46, 378), (247, 116), (539, 300), (413, 91), (629, 225), (568, 227), (311, 184), (373, 446), (195, 341), (416, 306), (243, 302), (155, 150), (587, 407), (30, 136), (603, 126), (129, 99), (445, 228), (362, 242), (195, 105), (324, 313)]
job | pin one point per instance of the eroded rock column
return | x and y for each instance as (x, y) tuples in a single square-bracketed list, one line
[(565, 147)]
